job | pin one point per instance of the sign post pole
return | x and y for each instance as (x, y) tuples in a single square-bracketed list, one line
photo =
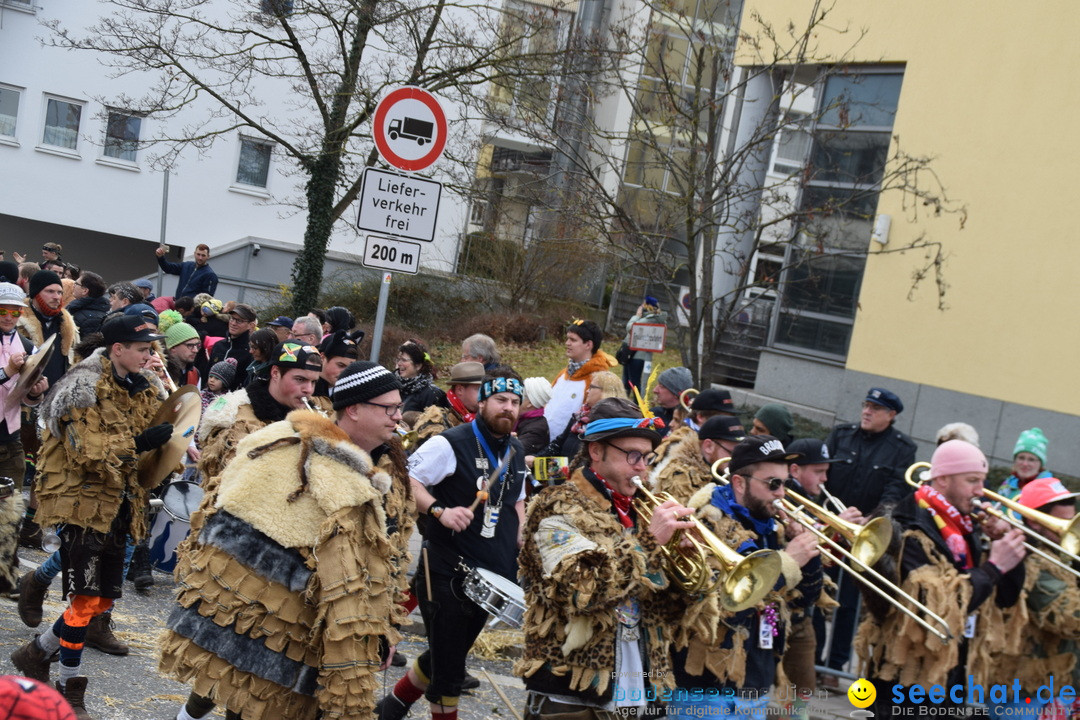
[(380, 317)]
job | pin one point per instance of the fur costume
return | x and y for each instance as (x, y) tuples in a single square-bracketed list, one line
[(29, 326), (88, 463), (11, 512), (286, 609), (578, 564), (434, 421), (231, 418), (724, 657), (897, 649), (679, 468), (400, 508), (1051, 641)]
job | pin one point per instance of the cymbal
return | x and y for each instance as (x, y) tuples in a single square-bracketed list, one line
[(183, 409), (32, 371)]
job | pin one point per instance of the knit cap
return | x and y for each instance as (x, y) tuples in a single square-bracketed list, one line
[(676, 379), (957, 457), (1034, 442), (778, 420), (41, 280), (361, 381), (538, 390), (225, 371), (179, 332)]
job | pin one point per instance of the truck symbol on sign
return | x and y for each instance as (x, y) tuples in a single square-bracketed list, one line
[(411, 128)]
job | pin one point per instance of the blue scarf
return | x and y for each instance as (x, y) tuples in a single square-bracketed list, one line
[(723, 497)]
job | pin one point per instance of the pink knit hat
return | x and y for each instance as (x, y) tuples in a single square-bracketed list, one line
[(955, 457)]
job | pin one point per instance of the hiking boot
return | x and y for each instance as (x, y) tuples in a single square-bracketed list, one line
[(30, 660), (471, 682), (99, 635), (32, 594), (30, 534), (399, 660), (139, 571), (391, 708), (74, 691)]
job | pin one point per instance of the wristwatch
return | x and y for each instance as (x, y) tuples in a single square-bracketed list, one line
[(436, 510)]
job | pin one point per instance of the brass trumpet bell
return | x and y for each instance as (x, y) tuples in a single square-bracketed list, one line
[(686, 397), (867, 542)]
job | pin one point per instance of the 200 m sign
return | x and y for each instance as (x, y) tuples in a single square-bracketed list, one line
[(395, 255)]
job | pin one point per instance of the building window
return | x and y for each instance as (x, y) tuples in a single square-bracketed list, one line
[(122, 135), (819, 289), (254, 166), (62, 123), (9, 110), (792, 145)]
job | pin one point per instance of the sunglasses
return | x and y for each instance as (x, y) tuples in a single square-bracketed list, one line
[(10, 312), (773, 483)]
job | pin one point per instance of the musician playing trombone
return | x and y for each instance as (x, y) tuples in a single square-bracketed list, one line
[(733, 674), (600, 610), (941, 562)]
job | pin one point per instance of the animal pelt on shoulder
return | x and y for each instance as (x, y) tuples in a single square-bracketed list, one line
[(29, 326), (288, 477), (679, 468), (77, 388), (222, 412)]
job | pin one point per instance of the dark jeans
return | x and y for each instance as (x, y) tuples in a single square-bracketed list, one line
[(631, 373), (453, 623), (845, 618)]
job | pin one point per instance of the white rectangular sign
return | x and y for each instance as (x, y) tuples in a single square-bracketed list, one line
[(399, 205), (396, 255), (650, 337)]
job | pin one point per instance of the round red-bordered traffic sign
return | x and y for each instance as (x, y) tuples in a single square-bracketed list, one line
[(401, 138)]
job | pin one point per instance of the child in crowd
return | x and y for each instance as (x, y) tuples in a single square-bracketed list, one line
[(217, 384)]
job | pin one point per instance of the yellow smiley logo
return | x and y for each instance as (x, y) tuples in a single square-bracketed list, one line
[(862, 693)]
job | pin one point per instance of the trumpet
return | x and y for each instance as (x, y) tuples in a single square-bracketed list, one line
[(744, 580), (1067, 530), (868, 543), (408, 437), (686, 397)]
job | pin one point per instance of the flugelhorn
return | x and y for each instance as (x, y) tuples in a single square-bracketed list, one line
[(868, 545), (1067, 530), (686, 397), (743, 580)]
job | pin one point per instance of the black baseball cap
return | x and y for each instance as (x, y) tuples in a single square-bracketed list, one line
[(713, 399), (813, 451), (292, 355), (759, 448), (129, 328), (722, 427)]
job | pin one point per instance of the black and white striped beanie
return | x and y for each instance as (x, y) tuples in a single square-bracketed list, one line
[(361, 381)]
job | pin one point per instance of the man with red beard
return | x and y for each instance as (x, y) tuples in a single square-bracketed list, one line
[(448, 474)]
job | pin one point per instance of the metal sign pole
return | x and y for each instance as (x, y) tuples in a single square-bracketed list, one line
[(164, 215), (380, 318)]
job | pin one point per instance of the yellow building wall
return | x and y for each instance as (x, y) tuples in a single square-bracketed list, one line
[(992, 93)]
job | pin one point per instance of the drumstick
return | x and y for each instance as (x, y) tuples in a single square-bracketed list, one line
[(427, 573), (502, 695), (482, 495)]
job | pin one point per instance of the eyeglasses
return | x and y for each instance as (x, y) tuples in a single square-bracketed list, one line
[(773, 483), (390, 410), (193, 345), (633, 457), (10, 312)]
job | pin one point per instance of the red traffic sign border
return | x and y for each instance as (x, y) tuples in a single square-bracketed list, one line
[(378, 130)]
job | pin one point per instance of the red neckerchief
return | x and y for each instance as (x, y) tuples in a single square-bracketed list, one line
[(582, 419), (45, 309), (459, 407), (953, 524), (622, 502)]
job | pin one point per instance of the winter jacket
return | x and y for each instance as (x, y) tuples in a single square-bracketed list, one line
[(870, 466), (88, 312), (193, 279)]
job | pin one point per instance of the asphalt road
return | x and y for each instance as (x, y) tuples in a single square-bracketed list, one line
[(130, 688)]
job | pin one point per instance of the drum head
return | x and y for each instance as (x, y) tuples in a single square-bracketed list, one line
[(181, 499), (183, 409), (505, 587)]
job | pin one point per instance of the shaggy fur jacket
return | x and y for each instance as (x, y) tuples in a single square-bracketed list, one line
[(578, 564), (88, 463), (679, 468), (434, 420), (29, 326), (286, 610)]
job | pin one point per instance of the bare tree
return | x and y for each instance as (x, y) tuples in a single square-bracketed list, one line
[(210, 61), (679, 191)]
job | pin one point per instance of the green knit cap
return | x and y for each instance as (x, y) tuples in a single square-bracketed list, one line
[(1034, 442), (777, 418), (178, 333)]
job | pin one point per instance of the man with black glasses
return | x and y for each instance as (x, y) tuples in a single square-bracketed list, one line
[(450, 475)]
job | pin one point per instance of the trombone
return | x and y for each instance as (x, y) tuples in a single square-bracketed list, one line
[(745, 580), (868, 543), (1067, 530), (686, 397)]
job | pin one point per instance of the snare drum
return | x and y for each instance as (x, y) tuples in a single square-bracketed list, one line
[(179, 500), (497, 595)]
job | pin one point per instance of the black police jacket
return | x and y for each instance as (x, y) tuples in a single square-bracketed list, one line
[(870, 467)]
